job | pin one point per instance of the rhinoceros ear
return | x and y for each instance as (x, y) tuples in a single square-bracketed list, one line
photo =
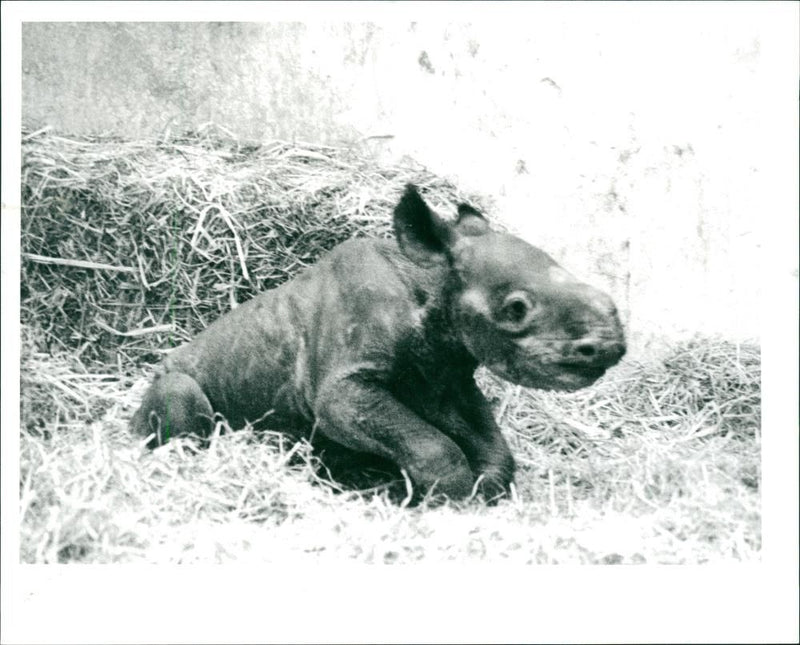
[(470, 222), (422, 235)]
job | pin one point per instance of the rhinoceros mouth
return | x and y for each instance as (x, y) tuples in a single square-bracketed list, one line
[(565, 377), (591, 372)]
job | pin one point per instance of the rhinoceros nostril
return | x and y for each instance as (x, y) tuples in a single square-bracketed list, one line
[(587, 350)]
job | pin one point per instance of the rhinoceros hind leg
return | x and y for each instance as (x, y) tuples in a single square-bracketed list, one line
[(175, 405)]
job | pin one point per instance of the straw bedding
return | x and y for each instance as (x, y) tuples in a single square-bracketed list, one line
[(130, 247)]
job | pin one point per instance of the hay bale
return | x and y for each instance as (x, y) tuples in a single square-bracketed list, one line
[(132, 247)]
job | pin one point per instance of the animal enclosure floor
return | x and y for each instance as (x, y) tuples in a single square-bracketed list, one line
[(657, 463)]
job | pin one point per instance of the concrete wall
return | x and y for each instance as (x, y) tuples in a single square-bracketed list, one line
[(629, 148)]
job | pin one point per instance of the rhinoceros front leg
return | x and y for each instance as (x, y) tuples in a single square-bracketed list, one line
[(468, 419), (365, 417)]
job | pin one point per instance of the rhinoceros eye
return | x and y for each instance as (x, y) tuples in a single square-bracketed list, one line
[(516, 308)]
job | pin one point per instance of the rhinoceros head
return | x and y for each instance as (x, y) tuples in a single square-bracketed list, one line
[(510, 304)]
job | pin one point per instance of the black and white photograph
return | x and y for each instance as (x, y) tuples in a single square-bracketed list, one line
[(312, 289)]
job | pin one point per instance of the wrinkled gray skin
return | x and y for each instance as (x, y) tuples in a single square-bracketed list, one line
[(374, 348)]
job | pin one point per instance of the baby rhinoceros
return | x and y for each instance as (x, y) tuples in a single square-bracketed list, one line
[(374, 349)]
